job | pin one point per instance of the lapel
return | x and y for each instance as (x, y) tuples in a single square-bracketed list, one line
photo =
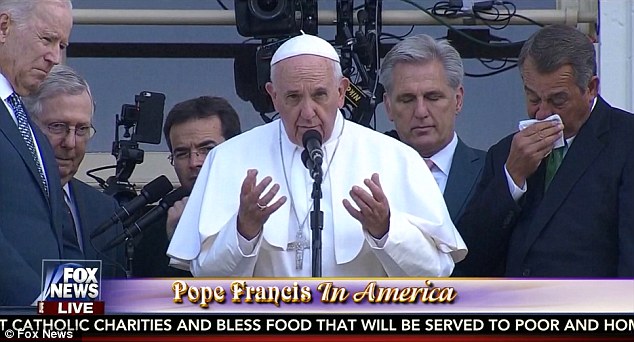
[(10, 130), (80, 201), (586, 147), (461, 180), (55, 195)]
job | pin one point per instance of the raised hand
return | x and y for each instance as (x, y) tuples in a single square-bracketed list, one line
[(374, 209), (254, 208)]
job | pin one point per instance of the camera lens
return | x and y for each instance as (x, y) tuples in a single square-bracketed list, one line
[(267, 9)]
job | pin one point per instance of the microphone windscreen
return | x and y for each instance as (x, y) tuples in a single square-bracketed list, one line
[(309, 135), (306, 159), (175, 196), (154, 190)]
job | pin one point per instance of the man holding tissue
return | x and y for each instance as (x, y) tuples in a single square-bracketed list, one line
[(547, 211)]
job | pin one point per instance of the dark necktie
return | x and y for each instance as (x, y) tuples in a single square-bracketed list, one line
[(69, 233), (554, 161), (25, 132)]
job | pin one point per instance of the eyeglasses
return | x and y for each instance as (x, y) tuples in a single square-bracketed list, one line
[(63, 129), (183, 155)]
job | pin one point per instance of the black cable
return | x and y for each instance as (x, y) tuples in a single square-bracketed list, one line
[(449, 26), (447, 11), (222, 5), (505, 19), (265, 118), (530, 20), (442, 9), (487, 63), (106, 259), (99, 180), (401, 37), (491, 73)]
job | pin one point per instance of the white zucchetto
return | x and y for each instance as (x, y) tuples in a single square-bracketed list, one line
[(305, 44)]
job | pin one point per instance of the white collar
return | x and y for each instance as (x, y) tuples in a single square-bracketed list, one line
[(444, 157), (5, 88)]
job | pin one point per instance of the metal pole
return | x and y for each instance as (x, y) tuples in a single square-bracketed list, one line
[(568, 16)]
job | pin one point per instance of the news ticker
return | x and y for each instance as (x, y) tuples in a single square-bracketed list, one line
[(577, 326)]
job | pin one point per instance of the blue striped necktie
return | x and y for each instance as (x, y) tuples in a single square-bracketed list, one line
[(25, 132)]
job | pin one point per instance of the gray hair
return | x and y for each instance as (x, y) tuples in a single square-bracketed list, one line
[(554, 46), (423, 49), (62, 80), (336, 67), (22, 10)]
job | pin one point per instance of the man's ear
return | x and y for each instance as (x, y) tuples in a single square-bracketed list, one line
[(459, 98), (593, 87), (344, 83), (5, 25), (388, 106), (270, 89)]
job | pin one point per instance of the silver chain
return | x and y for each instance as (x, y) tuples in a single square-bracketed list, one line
[(300, 227)]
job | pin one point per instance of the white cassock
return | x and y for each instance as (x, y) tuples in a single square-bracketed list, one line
[(422, 240)]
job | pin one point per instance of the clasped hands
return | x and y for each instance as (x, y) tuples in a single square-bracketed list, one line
[(256, 207)]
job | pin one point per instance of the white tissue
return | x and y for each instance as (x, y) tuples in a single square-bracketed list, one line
[(555, 117)]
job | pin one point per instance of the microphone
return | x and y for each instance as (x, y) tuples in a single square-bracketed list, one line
[(312, 143), (150, 193), (149, 217)]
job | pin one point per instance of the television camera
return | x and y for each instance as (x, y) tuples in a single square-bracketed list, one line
[(274, 21), (140, 122)]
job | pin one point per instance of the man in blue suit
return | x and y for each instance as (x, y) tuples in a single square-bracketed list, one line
[(424, 94), (32, 36), (62, 108), (541, 211)]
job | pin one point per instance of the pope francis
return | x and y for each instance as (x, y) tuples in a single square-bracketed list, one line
[(248, 214)]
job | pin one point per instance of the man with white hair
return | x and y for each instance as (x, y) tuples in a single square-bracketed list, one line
[(383, 212), (63, 107), (32, 37)]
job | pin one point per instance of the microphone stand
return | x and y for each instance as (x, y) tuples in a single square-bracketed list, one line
[(316, 218), (129, 256)]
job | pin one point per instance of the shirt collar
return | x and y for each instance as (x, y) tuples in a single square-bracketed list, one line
[(571, 139), (66, 191), (5, 88), (444, 157), (594, 103)]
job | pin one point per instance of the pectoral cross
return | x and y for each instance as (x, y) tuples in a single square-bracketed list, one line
[(299, 247)]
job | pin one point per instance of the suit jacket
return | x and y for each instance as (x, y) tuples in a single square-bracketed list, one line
[(582, 226), (466, 166), (31, 224), (94, 208), (151, 259)]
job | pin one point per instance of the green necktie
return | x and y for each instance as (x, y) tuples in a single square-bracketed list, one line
[(554, 161)]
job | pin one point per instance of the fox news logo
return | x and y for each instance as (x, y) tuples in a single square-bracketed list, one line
[(72, 286)]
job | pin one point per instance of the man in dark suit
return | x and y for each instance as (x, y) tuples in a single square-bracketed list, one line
[(62, 107), (32, 36), (424, 93), (192, 129), (566, 212)]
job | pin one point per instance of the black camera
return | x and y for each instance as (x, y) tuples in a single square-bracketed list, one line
[(146, 116), (275, 18), (142, 123)]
